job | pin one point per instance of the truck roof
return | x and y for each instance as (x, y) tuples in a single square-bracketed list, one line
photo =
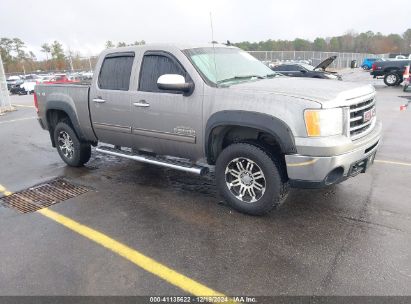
[(164, 46)]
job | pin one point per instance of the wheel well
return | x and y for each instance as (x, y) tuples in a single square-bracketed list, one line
[(53, 118), (389, 70), (223, 136)]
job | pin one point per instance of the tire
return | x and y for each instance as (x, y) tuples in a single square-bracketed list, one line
[(250, 179), (391, 78), (400, 80), (71, 150), (365, 67)]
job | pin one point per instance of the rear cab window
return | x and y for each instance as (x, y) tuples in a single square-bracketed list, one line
[(115, 71)]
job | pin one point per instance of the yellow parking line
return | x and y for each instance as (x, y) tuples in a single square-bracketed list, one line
[(171, 276), (392, 162), (150, 265), (4, 190), (22, 106), (14, 120)]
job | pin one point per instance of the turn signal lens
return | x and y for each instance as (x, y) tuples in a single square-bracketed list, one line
[(312, 122), (324, 122)]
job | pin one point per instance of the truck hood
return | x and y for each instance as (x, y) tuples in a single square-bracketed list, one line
[(318, 90), (325, 63)]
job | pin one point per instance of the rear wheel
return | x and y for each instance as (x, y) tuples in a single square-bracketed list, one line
[(391, 79), (71, 150), (400, 80), (365, 67), (250, 179)]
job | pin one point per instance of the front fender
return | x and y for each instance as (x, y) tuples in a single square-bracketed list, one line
[(267, 123)]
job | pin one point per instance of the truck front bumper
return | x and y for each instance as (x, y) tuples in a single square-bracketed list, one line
[(318, 171)]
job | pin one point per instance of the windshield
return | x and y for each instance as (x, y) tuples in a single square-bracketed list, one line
[(227, 65), (307, 66)]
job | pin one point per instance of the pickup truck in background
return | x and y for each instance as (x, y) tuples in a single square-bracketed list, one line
[(367, 63), (215, 107), (391, 70)]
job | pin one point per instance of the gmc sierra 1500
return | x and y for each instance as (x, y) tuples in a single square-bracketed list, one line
[(193, 108)]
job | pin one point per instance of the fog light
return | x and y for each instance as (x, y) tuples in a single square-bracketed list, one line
[(334, 176)]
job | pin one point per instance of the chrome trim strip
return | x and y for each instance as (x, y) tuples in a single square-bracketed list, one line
[(110, 127), (360, 126), (164, 135), (363, 107), (355, 118), (367, 131)]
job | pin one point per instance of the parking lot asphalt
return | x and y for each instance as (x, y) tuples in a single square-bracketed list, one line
[(349, 239)]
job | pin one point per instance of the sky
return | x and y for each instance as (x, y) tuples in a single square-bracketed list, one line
[(85, 25)]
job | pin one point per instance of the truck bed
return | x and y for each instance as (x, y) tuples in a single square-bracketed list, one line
[(74, 96)]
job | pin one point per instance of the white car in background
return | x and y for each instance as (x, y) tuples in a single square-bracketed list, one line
[(44, 78), (29, 85)]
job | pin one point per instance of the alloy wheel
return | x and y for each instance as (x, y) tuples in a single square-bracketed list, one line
[(66, 144), (245, 179), (391, 79)]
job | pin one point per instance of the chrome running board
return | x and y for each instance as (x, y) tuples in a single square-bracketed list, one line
[(148, 159)]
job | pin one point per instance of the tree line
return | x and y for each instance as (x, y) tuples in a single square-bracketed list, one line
[(366, 42), (17, 59)]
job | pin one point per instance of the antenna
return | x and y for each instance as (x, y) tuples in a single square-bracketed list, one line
[(213, 42), (212, 29)]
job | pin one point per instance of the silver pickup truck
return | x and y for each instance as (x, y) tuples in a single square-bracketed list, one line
[(215, 107)]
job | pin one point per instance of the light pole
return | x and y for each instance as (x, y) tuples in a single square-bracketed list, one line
[(5, 104)]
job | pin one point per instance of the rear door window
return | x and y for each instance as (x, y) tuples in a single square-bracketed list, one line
[(115, 72), (280, 68), (286, 68), (294, 68), (153, 67)]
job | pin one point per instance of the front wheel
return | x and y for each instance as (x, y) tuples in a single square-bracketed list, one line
[(250, 179), (365, 67), (71, 150), (391, 79)]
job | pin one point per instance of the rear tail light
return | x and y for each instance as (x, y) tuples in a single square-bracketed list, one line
[(36, 104), (374, 67), (406, 72)]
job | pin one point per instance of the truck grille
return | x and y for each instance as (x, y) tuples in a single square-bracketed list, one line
[(362, 116)]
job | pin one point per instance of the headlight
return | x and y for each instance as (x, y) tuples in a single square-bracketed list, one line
[(331, 76), (324, 122)]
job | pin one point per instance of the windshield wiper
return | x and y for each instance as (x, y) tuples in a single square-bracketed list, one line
[(272, 75), (239, 78)]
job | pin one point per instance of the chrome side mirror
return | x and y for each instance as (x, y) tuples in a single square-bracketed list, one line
[(174, 82)]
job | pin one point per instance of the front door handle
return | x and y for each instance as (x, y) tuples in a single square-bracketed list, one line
[(141, 103), (99, 100)]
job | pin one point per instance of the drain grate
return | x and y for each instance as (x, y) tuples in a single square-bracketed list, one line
[(42, 196)]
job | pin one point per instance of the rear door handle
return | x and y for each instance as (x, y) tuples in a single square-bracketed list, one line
[(141, 103), (99, 100)]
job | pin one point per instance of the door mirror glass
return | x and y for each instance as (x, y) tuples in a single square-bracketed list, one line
[(174, 82)]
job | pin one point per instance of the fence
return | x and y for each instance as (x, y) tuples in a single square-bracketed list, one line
[(77, 64), (343, 59), (4, 93)]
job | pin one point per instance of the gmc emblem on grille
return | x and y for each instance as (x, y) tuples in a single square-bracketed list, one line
[(368, 115)]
